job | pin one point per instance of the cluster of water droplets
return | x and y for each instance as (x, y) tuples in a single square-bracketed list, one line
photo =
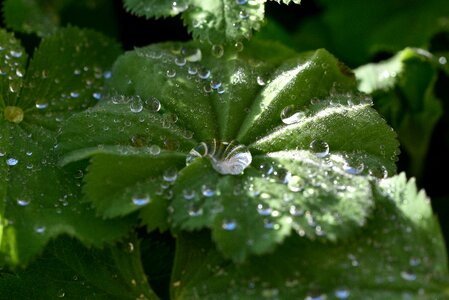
[(225, 157)]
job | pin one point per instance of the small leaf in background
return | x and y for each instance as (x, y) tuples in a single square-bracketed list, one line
[(68, 270), (352, 31), (399, 255), (38, 200), (216, 21), (44, 17), (251, 145), (403, 91)]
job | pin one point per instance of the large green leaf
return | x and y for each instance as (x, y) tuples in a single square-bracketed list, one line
[(399, 255), (217, 21), (354, 30), (44, 17), (309, 135), (403, 91), (38, 200), (70, 271)]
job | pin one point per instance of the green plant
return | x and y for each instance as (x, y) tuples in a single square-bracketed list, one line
[(268, 168)]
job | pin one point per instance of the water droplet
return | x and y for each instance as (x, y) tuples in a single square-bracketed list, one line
[(40, 229), (170, 174), (188, 194), (267, 169), (97, 95), (241, 2), (229, 225), (294, 211), (319, 148), (195, 211), (141, 199), (207, 191), (180, 61), (342, 293), (442, 60), (289, 115), (13, 114), (238, 46), (155, 150), (22, 202), (409, 276), (295, 184), (261, 82), (354, 169), (16, 54), (414, 261), (12, 161), (192, 70), (203, 73), (263, 209), (171, 73), (19, 73), (60, 293), (217, 51), (243, 15), (135, 105), (74, 94), (316, 296), (179, 7), (192, 54), (215, 84)]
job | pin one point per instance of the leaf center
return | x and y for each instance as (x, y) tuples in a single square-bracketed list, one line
[(227, 158)]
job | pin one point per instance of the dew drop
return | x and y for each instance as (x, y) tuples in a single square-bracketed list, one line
[(171, 73), (141, 199), (319, 148), (179, 7), (316, 296), (264, 210), (155, 150), (60, 293), (354, 169), (238, 46), (188, 194), (261, 82), (243, 15), (16, 54), (207, 191), (289, 115), (192, 55), (41, 104), (170, 174), (192, 70), (180, 61), (12, 161), (414, 261), (22, 202), (241, 2), (203, 73), (74, 94), (97, 95), (409, 276), (215, 84), (295, 184), (153, 104), (135, 105), (442, 60), (342, 293), (40, 229), (195, 211), (229, 225), (217, 51), (19, 73)]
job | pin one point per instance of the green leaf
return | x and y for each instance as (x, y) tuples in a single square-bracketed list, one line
[(315, 160), (70, 271), (44, 17), (403, 92), (38, 200), (354, 33), (400, 254), (216, 21)]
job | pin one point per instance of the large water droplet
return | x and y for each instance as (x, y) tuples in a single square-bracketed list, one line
[(135, 105), (179, 7), (155, 150), (191, 54), (319, 148), (217, 51), (290, 115), (12, 161), (207, 191), (13, 114), (141, 199), (354, 169), (60, 293), (226, 158), (188, 194)]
